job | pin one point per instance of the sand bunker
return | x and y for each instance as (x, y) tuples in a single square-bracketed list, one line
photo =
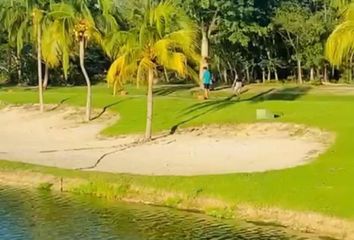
[(59, 138)]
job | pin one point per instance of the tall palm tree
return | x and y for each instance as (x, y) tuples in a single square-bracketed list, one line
[(75, 19), (162, 35), (37, 15)]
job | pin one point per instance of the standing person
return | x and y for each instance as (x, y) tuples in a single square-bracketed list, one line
[(206, 82), (238, 87)]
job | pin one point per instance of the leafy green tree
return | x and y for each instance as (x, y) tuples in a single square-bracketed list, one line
[(220, 22), (300, 28), (14, 20)]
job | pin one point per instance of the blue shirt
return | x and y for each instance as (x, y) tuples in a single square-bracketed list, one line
[(207, 77)]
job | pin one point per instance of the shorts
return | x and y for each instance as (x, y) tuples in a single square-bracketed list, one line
[(207, 86), (238, 85)]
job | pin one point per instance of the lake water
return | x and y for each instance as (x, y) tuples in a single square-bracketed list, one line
[(38, 215)]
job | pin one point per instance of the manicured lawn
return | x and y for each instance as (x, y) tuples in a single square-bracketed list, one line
[(325, 185)]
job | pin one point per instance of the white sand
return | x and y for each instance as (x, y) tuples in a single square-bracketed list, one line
[(59, 138)]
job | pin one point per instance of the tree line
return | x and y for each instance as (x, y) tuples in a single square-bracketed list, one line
[(261, 40), (71, 42)]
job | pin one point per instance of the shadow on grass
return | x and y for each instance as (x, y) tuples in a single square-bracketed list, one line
[(284, 94), (7, 84), (105, 108), (204, 108), (167, 90), (222, 87)]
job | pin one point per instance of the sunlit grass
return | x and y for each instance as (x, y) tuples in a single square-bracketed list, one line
[(324, 185)]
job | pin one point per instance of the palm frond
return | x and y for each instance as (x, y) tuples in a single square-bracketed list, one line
[(340, 3), (340, 44), (51, 44), (62, 11)]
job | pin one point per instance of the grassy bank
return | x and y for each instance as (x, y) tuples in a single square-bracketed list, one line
[(324, 186), (126, 188)]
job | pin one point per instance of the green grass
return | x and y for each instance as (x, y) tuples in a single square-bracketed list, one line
[(324, 186)]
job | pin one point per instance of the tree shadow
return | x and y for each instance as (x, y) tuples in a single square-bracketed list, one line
[(205, 108), (105, 108), (284, 94), (7, 84), (59, 104), (167, 90), (222, 87)]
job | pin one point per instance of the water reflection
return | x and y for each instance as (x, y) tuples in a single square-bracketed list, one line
[(26, 215)]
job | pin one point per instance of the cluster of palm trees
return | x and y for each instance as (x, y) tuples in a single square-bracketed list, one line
[(141, 37), (157, 34)]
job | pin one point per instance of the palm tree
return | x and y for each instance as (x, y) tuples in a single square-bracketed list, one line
[(340, 44), (111, 32), (76, 18), (81, 29), (55, 48), (37, 15), (162, 35)]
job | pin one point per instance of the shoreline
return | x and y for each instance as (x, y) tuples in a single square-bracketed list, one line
[(305, 222)]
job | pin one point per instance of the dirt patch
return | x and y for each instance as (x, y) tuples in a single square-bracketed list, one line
[(60, 138)]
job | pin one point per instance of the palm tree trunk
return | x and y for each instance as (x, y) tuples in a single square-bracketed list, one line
[(46, 76), (88, 83), (167, 79), (263, 75), (351, 68), (115, 88), (299, 71), (149, 112), (39, 62), (9, 55)]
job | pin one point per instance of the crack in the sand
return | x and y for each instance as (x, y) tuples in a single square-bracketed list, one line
[(124, 147), (99, 160)]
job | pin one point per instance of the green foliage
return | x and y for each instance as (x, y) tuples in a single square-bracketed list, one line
[(244, 36), (299, 27)]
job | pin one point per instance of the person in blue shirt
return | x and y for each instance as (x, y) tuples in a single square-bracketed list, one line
[(207, 80)]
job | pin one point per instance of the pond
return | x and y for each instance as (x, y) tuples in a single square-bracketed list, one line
[(40, 215)]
